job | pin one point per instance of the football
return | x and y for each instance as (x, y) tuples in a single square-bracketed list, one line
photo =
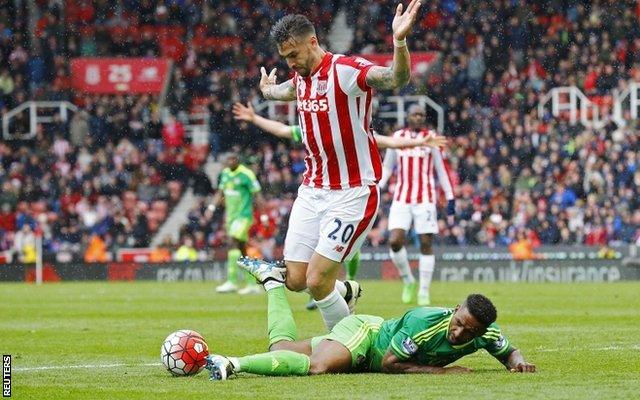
[(183, 352)]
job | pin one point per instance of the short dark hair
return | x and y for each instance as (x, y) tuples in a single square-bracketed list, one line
[(482, 309), (291, 26)]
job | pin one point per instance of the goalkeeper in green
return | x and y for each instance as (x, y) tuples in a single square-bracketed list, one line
[(423, 340)]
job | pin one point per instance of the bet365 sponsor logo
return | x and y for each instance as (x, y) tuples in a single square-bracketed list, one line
[(6, 375), (313, 105)]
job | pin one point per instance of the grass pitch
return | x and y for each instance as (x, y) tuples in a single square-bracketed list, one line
[(102, 341)]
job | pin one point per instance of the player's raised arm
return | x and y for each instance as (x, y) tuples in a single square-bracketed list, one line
[(285, 91), (400, 71), (276, 128)]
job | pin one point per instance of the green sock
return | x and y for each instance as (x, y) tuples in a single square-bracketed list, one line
[(352, 265), (275, 363), (280, 320), (232, 265)]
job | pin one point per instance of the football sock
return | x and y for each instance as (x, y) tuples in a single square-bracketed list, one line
[(333, 308), (352, 265), (427, 265), (232, 265), (275, 363), (401, 261), (341, 288), (280, 322)]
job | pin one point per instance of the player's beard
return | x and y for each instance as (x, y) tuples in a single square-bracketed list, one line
[(303, 71)]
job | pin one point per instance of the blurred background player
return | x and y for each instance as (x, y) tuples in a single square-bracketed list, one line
[(414, 200), (424, 340), (238, 186), (278, 129), (338, 199)]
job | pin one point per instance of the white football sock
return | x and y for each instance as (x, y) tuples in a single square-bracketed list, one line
[(235, 363), (401, 261), (427, 265), (333, 308), (341, 288)]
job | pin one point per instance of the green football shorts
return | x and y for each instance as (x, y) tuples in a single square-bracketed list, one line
[(357, 333), (239, 228)]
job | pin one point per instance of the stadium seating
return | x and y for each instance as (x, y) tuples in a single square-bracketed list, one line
[(516, 173)]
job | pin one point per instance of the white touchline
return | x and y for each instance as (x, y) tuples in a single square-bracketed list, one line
[(87, 366), (607, 348)]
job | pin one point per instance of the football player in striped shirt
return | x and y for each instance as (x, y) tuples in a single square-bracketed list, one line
[(338, 200), (414, 202), (424, 340), (294, 133)]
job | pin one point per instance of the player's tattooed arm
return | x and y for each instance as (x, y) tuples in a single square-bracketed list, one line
[(285, 91), (400, 71), (391, 364), (385, 78)]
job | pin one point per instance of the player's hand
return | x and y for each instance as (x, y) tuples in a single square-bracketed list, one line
[(267, 80), (436, 141), (402, 22), (242, 113), (456, 369), (451, 212), (523, 367)]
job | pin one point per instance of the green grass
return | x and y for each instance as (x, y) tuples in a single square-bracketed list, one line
[(584, 339)]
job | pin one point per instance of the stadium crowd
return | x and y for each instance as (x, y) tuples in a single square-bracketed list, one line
[(114, 170)]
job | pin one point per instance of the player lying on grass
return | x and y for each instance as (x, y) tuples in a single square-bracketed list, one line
[(423, 340)]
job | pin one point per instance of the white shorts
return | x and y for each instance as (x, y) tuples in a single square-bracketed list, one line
[(333, 223), (423, 216)]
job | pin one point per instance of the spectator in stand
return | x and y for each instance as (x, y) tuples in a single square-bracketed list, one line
[(494, 61), (186, 252), (173, 133)]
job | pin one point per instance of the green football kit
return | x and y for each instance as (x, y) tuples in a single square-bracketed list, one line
[(419, 336), (239, 187)]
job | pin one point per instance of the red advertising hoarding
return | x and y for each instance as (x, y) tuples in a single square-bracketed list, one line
[(119, 75)]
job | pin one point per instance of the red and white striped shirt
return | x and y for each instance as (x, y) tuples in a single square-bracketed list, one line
[(334, 109), (415, 183)]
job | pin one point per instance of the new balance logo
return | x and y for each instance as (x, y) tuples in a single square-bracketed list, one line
[(338, 248)]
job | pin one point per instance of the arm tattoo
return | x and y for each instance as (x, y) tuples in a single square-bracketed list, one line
[(284, 91), (395, 76), (381, 78)]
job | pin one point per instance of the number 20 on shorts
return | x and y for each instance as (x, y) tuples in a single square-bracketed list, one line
[(342, 232)]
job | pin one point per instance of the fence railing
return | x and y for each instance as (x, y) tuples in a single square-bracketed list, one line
[(35, 109)]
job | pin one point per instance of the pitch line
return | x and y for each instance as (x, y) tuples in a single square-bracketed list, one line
[(85, 366)]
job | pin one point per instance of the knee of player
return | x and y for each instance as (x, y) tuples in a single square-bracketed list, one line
[(426, 249), (314, 281), (396, 244), (295, 285)]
